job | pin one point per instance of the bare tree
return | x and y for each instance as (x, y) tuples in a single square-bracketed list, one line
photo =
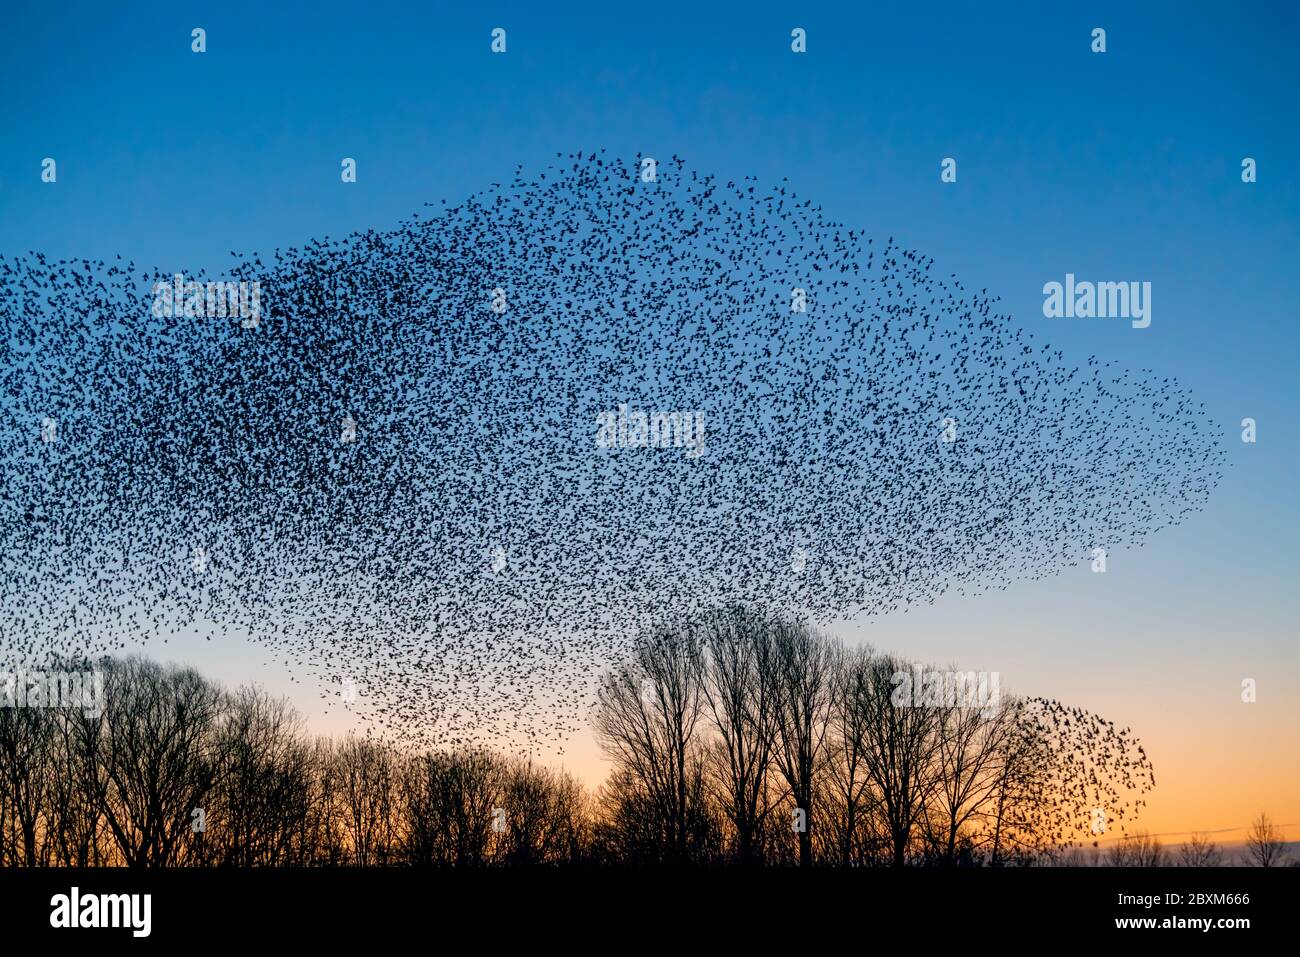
[(77, 828), (154, 757), (454, 807), (27, 737), (900, 744), (1264, 844), (739, 644), (1137, 850), (322, 831), (646, 719), (365, 774), (544, 816), (849, 799), (263, 786), (1199, 851), (800, 674), (970, 747)]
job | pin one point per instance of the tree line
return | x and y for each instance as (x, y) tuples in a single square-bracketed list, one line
[(735, 738), (174, 771), (1264, 847), (754, 738)]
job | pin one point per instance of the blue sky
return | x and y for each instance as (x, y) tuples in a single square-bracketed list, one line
[(1121, 166)]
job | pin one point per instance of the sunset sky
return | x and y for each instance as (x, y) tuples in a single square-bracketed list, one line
[(1122, 166)]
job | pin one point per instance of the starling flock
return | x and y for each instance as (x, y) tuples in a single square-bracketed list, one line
[(403, 477)]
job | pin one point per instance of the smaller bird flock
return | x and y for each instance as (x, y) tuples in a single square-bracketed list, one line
[(422, 474)]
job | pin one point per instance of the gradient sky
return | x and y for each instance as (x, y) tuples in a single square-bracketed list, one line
[(1122, 166)]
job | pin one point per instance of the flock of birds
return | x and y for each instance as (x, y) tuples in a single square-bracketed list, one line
[(1097, 776), (394, 477)]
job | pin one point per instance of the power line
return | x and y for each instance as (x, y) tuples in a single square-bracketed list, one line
[(1221, 830)]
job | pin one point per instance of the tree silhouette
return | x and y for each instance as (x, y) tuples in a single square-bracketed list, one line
[(718, 728), (1264, 844), (1199, 851)]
